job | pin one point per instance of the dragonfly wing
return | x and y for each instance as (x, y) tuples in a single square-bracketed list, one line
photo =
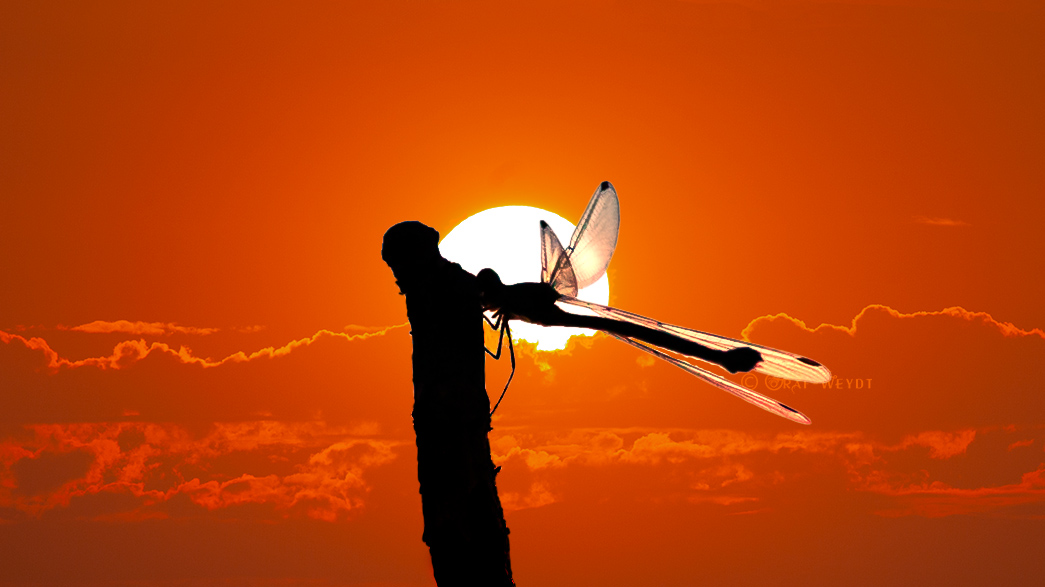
[(595, 237), (775, 363), (556, 268), (766, 403)]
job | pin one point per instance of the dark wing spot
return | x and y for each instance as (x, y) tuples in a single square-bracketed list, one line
[(604, 185), (809, 362), (544, 224), (787, 407)]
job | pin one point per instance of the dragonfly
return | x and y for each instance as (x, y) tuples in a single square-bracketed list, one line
[(564, 271)]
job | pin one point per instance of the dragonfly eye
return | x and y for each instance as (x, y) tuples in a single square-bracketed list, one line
[(488, 280)]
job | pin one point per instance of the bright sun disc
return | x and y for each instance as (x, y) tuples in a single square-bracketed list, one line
[(507, 240)]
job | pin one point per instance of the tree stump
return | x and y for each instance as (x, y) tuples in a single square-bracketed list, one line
[(464, 525)]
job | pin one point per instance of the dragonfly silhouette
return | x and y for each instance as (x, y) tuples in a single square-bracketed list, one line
[(565, 271)]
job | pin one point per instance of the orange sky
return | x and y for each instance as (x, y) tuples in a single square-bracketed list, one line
[(204, 378)]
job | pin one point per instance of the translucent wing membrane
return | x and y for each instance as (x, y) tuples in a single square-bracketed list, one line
[(766, 403), (595, 238), (556, 266), (585, 261), (775, 363)]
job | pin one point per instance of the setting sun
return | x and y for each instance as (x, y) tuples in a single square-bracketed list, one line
[(507, 240)]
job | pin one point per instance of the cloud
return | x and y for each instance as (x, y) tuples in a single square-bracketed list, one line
[(537, 495), (941, 445), (939, 221), (732, 468), (654, 447), (933, 499), (1021, 443), (1006, 328), (49, 470), (293, 468), (329, 484), (140, 328), (937, 428), (338, 377), (129, 352), (899, 373)]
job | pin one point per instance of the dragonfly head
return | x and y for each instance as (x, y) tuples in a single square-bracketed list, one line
[(490, 287)]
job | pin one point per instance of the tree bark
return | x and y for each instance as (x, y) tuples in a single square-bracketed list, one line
[(464, 525)]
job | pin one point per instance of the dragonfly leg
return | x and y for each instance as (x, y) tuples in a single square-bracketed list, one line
[(511, 352), (494, 324), (500, 325)]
